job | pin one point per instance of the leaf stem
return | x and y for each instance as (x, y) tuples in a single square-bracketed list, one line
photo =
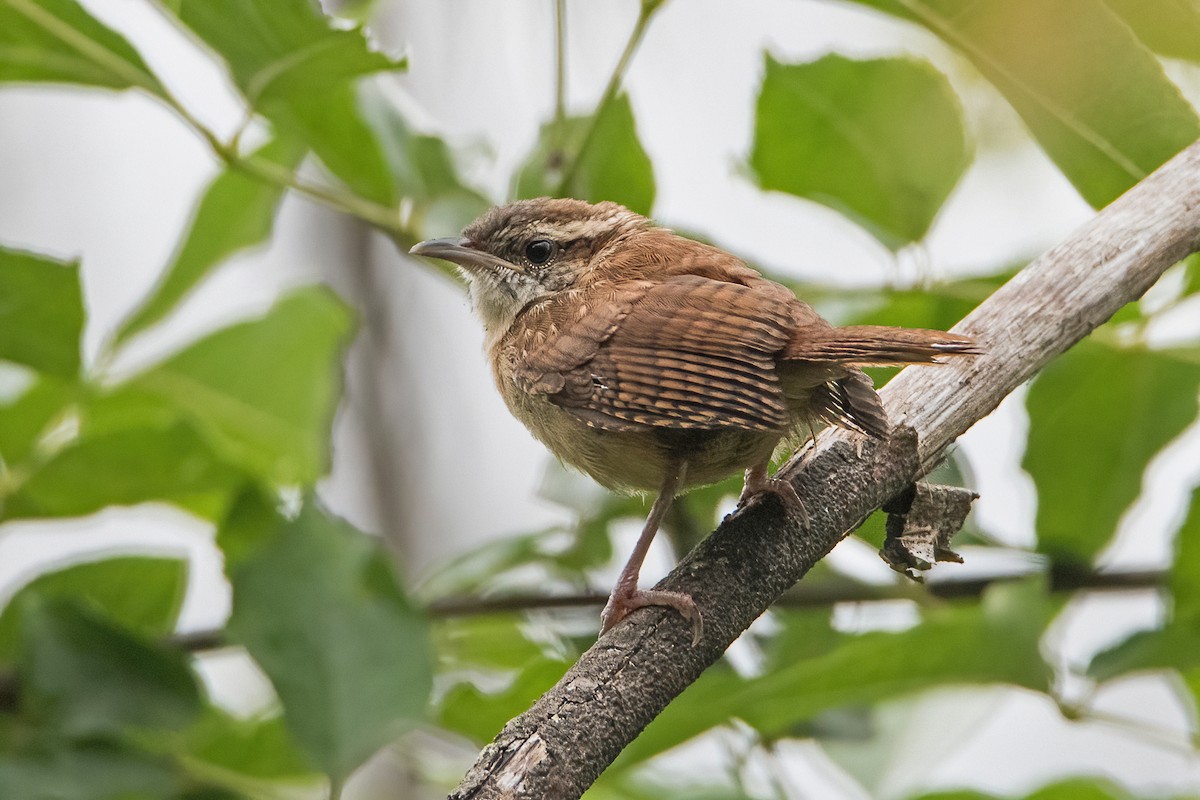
[(645, 13), (560, 62), (380, 216), (1158, 735)]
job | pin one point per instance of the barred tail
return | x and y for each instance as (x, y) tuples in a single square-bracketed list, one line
[(877, 345)]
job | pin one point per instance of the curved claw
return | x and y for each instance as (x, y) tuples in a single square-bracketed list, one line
[(758, 484), (621, 603)]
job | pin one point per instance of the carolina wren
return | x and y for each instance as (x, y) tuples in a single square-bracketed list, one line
[(656, 363)]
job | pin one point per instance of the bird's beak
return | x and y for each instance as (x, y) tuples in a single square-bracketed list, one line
[(462, 252)]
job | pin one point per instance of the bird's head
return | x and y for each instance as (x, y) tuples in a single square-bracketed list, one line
[(525, 251)]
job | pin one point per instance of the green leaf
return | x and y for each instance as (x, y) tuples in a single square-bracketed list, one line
[(940, 306), (41, 312), (87, 771), (23, 421), (1097, 415), (480, 715), (490, 641), (249, 523), (1175, 645), (297, 66), (142, 594), (259, 747), (1169, 28), (264, 391), (1093, 96), (332, 124), (423, 167), (1185, 574), (281, 50), (995, 641), (171, 464), (591, 158), (319, 609), (57, 41), (89, 677), (1191, 282), (236, 212), (1081, 789), (1172, 647), (881, 141)]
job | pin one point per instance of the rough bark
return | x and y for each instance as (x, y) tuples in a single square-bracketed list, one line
[(560, 746)]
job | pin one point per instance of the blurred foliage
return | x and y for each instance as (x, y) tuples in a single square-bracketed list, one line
[(881, 141), (100, 696), (1106, 122), (594, 158)]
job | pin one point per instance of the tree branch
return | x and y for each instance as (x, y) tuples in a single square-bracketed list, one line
[(573, 732)]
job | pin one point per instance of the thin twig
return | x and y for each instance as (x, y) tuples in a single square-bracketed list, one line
[(560, 62), (645, 12), (828, 594)]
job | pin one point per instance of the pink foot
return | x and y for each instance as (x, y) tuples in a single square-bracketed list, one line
[(757, 484), (621, 603)]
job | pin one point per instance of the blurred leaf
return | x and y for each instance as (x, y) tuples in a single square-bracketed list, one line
[(491, 641), (23, 421), (169, 464), (124, 409), (1097, 416), (874, 530), (646, 785), (298, 66), (1191, 282), (802, 634), (90, 677), (1106, 120), (1185, 572), (881, 141), (264, 391), (332, 124), (57, 41), (281, 50), (939, 306), (423, 167), (1175, 645), (259, 747), (1070, 789), (41, 312), (249, 524), (478, 570), (1081, 789), (995, 641), (1171, 647), (87, 771), (613, 165), (236, 212), (480, 715), (319, 610), (142, 594), (1167, 27)]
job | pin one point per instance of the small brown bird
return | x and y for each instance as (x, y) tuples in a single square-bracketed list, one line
[(656, 363)]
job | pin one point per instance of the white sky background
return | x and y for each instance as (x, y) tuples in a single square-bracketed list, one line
[(112, 179)]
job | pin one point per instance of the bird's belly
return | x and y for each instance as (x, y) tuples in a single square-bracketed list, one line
[(638, 460)]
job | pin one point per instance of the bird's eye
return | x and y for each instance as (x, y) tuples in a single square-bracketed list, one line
[(540, 251)]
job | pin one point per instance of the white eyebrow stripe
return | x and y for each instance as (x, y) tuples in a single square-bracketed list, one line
[(577, 229)]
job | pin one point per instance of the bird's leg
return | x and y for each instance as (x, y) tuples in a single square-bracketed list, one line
[(758, 482), (626, 596)]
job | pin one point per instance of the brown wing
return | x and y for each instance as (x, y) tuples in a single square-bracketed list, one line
[(689, 352)]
